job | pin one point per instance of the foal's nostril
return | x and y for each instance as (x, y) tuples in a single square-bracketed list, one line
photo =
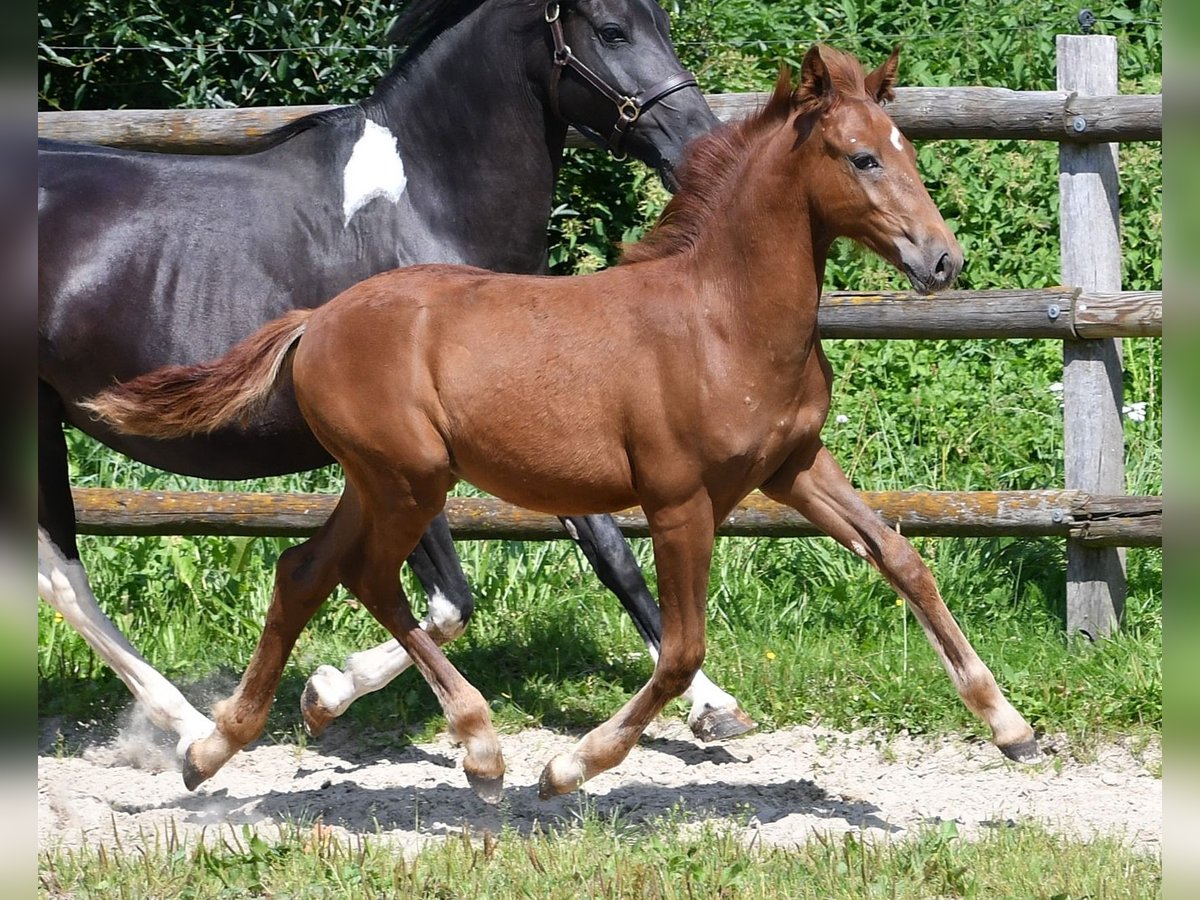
[(942, 269)]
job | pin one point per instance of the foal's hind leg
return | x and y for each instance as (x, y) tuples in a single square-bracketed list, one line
[(714, 715), (814, 484), (376, 583), (330, 691), (304, 576)]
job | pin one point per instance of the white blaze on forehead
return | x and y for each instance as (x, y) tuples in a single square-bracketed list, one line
[(374, 170), (896, 138)]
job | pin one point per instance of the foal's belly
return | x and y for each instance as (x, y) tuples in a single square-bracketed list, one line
[(580, 481)]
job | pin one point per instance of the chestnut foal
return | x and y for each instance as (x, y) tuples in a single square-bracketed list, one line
[(680, 380)]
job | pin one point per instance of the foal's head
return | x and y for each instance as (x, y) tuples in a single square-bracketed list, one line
[(859, 172)]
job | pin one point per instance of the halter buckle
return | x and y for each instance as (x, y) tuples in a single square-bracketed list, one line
[(629, 110)]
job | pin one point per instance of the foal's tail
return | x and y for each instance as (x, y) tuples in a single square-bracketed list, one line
[(177, 401)]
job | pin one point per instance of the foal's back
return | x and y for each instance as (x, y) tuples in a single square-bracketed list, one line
[(527, 386)]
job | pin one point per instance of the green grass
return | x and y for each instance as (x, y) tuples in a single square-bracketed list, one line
[(612, 859)]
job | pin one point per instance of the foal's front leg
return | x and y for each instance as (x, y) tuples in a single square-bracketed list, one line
[(813, 484), (715, 714), (683, 537), (330, 691)]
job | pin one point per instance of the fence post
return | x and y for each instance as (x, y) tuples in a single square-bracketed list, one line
[(1089, 229)]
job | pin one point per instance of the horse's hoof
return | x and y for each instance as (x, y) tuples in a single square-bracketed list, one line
[(1023, 752), (192, 776), (721, 724), (562, 775), (316, 716), (489, 790)]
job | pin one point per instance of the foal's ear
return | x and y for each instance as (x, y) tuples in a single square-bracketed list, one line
[(816, 86), (879, 83)]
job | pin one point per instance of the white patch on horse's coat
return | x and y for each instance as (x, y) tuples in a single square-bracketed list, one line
[(374, 170), (896, 138), (443, 614), (859, 549)]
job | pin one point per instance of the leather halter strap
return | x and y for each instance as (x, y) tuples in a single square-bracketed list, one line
[(629, 106)]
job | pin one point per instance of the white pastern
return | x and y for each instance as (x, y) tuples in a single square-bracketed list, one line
[(374, 170), (896, 138), (702, 694), (63, 584), (444, 616)]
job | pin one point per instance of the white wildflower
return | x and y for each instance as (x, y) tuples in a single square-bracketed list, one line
[(1135, 411), (1055, 388), (842, 420)]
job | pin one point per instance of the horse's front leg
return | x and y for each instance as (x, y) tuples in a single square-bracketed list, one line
[(683, 537), (812, 483), (330, 691), (714, 714)]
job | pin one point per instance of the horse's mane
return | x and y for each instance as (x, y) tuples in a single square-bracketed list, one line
[(714, 162), (417, 25)]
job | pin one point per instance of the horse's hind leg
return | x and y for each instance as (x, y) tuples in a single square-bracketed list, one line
[(330, 691), (714, 715), (63, 584), (304, 576), (814, 484)]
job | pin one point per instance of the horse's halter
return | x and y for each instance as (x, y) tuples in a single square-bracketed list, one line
[(629, 106)]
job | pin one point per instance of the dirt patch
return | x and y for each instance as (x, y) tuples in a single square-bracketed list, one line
[(777, 787)]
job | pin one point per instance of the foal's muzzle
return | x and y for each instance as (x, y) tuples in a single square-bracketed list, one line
[(932, 267)]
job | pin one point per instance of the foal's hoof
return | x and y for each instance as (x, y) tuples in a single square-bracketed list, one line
[(1023, 752), (488, 790), (562, 775), (316, 716), (720, 724), (192, 776)]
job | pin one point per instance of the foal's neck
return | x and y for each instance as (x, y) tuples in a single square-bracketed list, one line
[(766, 253)]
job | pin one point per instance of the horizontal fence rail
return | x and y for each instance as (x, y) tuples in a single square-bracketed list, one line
[(921, 113), (1123, 521), (1047, 313)]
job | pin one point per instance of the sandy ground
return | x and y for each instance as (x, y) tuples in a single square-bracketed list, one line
[(775, 787)]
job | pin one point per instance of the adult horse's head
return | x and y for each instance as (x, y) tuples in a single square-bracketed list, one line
[(614, 75), (863, 170)]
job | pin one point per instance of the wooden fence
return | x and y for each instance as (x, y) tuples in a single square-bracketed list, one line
[(1085, 115)]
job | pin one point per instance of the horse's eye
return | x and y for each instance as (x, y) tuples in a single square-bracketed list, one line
[(864, 161), (612, 34)]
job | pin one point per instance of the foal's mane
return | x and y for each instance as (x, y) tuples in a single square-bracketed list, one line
[(711, 172)]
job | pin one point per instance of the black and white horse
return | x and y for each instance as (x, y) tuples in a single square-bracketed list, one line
[(149, 259)]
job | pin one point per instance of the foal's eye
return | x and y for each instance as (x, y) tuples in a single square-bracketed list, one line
[(612, 34), (864, 161)]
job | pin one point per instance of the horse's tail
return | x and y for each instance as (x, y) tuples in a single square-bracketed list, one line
[(177, 401)]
